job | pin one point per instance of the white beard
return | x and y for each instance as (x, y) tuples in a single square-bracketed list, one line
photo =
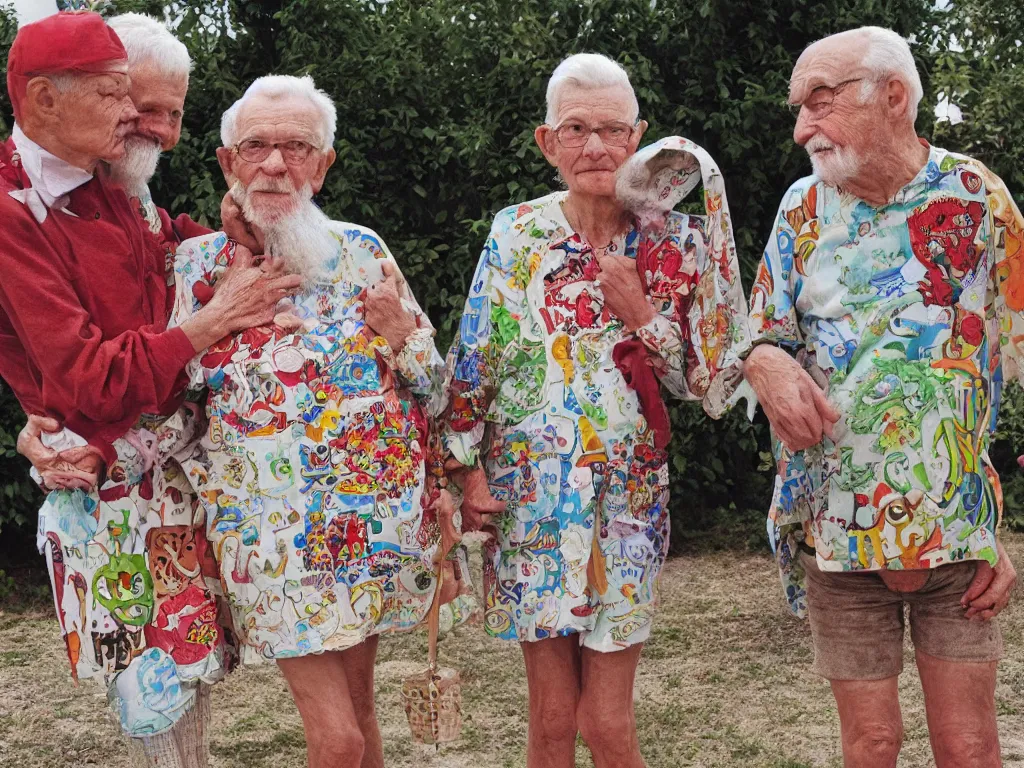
[(301, 236), (835, 167), (134, 171)]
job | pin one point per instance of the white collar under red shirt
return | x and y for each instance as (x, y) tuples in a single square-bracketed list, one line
[(52, 179)]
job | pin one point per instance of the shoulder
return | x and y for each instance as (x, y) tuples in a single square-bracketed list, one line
[(966, 175), (22, 231), (801, 189), (199, 258), (515, 218), (356, 236)]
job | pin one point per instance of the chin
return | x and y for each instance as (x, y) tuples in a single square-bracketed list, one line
[(598, 183), (271, 211)]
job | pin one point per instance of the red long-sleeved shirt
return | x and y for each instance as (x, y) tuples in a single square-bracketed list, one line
[(84, 303)]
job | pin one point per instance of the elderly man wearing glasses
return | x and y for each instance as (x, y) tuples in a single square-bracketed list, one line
[(888, 310), (314, 470), (573, 317)]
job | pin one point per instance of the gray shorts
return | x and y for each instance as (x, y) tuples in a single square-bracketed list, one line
[(857, 622)]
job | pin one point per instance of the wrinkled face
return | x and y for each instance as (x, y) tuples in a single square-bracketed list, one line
[(839, 129), (160, 102), (590, 169), (279, 182), (94, 117)]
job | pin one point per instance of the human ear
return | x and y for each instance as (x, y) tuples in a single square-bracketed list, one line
[(324, 164), (548, 143)]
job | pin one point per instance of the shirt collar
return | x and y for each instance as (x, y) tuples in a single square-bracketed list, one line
[(51, 178)]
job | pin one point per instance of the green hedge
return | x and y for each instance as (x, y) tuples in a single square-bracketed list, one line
[(437, 103)]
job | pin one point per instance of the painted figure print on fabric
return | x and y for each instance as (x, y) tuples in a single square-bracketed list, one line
[(313, 468), (133, 580), (539, 394), (910, 315)]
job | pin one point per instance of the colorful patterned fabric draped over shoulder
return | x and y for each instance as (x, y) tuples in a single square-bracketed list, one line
[(548, 389), (910, 315), (314, 468)]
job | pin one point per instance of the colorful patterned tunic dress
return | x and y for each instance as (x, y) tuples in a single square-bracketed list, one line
[(313, 467), (910, 316), (538, 393), (133, 580)]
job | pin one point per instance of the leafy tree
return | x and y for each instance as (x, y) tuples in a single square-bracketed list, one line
[(437, 103)]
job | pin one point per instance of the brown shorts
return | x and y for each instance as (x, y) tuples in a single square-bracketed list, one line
[(857, 622)]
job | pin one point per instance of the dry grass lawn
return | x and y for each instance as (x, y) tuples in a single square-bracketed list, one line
[(724, 682)]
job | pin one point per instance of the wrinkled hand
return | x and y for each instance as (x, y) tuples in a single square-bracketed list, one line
[(623, 292), (236, 227), (247, 295), (795, 406), (383, 311), (73, 468), (477, 502), (990, 589)]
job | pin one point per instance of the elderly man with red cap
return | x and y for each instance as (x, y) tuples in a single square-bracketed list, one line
[(84, 340)]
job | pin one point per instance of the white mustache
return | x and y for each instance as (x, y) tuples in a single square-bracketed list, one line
[(818, 143), (272, 185)]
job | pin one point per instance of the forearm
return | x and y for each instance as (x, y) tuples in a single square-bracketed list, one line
[(205, 328)]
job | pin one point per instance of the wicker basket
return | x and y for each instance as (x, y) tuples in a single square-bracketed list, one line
[(433, 706), (433, 697)]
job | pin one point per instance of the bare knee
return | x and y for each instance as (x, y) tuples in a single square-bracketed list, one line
[(966, 747), (606, 727), (874, 743), (552, 722), (335, 748)]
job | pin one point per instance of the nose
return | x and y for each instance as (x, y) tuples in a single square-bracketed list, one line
[(804, 129), (128, 112), (274, 165), (594, 146), (157, 127)]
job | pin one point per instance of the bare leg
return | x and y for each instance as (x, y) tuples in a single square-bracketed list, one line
[(320, 688), (553, 678), (605, 713), (358, 663), (186, 745), (870, 720), (960, 701)]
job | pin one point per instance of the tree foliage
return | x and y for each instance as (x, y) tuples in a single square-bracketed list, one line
[(437, 103)]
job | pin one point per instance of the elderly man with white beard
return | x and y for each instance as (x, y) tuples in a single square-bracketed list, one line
[(83, 314), (321, 488), (895, 276)]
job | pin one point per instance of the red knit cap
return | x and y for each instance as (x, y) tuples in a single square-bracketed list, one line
[(65, 42)]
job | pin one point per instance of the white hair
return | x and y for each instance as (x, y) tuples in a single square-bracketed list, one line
[(279, 87), (587, 71), (886, 53), (72, 80), (148, 42)]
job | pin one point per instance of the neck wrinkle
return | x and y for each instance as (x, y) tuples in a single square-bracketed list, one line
[(890, 171), (597, 219)]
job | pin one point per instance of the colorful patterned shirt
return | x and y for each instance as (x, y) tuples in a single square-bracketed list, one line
[(313, 467), (568, 439), (910, 316)]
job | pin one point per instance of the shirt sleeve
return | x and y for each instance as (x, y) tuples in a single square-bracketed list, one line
[(105, 379), (701, 330), (419, 365), (197, 264), (1007, 277), (490, 324), (773, 296)]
